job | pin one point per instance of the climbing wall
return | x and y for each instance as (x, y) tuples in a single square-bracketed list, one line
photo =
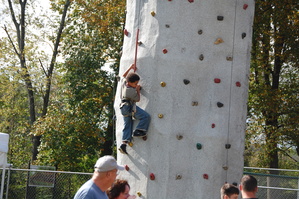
[(193, 59)]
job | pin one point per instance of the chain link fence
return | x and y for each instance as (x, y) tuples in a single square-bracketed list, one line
[(41, 184), (46, 184), (275, 183)]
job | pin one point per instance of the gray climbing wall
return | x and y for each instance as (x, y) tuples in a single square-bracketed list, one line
[(193, 58)]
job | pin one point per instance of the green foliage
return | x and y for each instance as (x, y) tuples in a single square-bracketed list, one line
[(14, 117), (79, 127), (274, 82)]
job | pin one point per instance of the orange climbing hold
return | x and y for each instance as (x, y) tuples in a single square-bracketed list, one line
[(218, 41)]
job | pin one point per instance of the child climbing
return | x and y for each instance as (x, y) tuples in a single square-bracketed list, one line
[(130, 94)]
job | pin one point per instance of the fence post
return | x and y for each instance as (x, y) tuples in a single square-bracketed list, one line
[(2, 182), (8, 181)]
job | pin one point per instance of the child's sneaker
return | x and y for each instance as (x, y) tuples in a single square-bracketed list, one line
[(123, 149), (139, 133)]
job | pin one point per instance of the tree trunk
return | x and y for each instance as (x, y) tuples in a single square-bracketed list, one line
[(53, 60)]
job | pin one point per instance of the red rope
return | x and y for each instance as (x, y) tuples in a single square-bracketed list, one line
[(135, 60)]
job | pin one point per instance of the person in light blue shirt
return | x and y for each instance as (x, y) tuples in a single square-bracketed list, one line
[(104, 175)]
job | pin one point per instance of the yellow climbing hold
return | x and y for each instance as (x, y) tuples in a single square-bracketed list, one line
[(153, 13), (130, 144), (160, 115), (163, 84)]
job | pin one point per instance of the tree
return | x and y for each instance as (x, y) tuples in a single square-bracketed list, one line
[(273, 97), (79, 127), (14, 117), (24, 52)]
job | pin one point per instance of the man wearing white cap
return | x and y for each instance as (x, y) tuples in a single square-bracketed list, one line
[(104, 175)]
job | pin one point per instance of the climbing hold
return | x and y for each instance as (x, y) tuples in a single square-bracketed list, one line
[(153, 13), (163, 84), (178, 177), (186, 81), (152, 176), (219, 104), (179, 137), (194, 103), (139, 43), (144, 138), (130, 144), (228, 58), (201, 57), (234, 183), (139, 194), (191, 1), (167, 26), (217, 80), (220, 18), (165, 51), (227, 146), (225, 167), (243, 35), (205, 176), (199, 32), (126, 32), (245, 6), (127, 168), (198, 146), (160, 115), (218, 41), (213, 125), (238, 84)]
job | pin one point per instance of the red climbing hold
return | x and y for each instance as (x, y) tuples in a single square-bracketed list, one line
[(205, 176), (126, 32), (213, 125), (191, 1), (152, 176), (245, 6), (238, 84), (165, 51), (127, 168), (217, 80)]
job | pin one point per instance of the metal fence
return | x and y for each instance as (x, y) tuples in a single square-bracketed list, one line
[(41, 184), (46, 184), (284, 184)]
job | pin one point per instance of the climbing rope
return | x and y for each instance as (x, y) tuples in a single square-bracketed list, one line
[(137, 32), (231, 81)]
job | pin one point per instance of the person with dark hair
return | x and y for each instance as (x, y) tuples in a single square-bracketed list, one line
[(130, 94), (229, 191), (248, 187), (105, 171), (120, 190)]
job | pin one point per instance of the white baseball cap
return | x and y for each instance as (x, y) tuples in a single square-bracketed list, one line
[(107, 163)]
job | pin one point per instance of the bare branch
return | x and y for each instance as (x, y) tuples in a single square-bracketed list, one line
[(43, 67), (12, 43)]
